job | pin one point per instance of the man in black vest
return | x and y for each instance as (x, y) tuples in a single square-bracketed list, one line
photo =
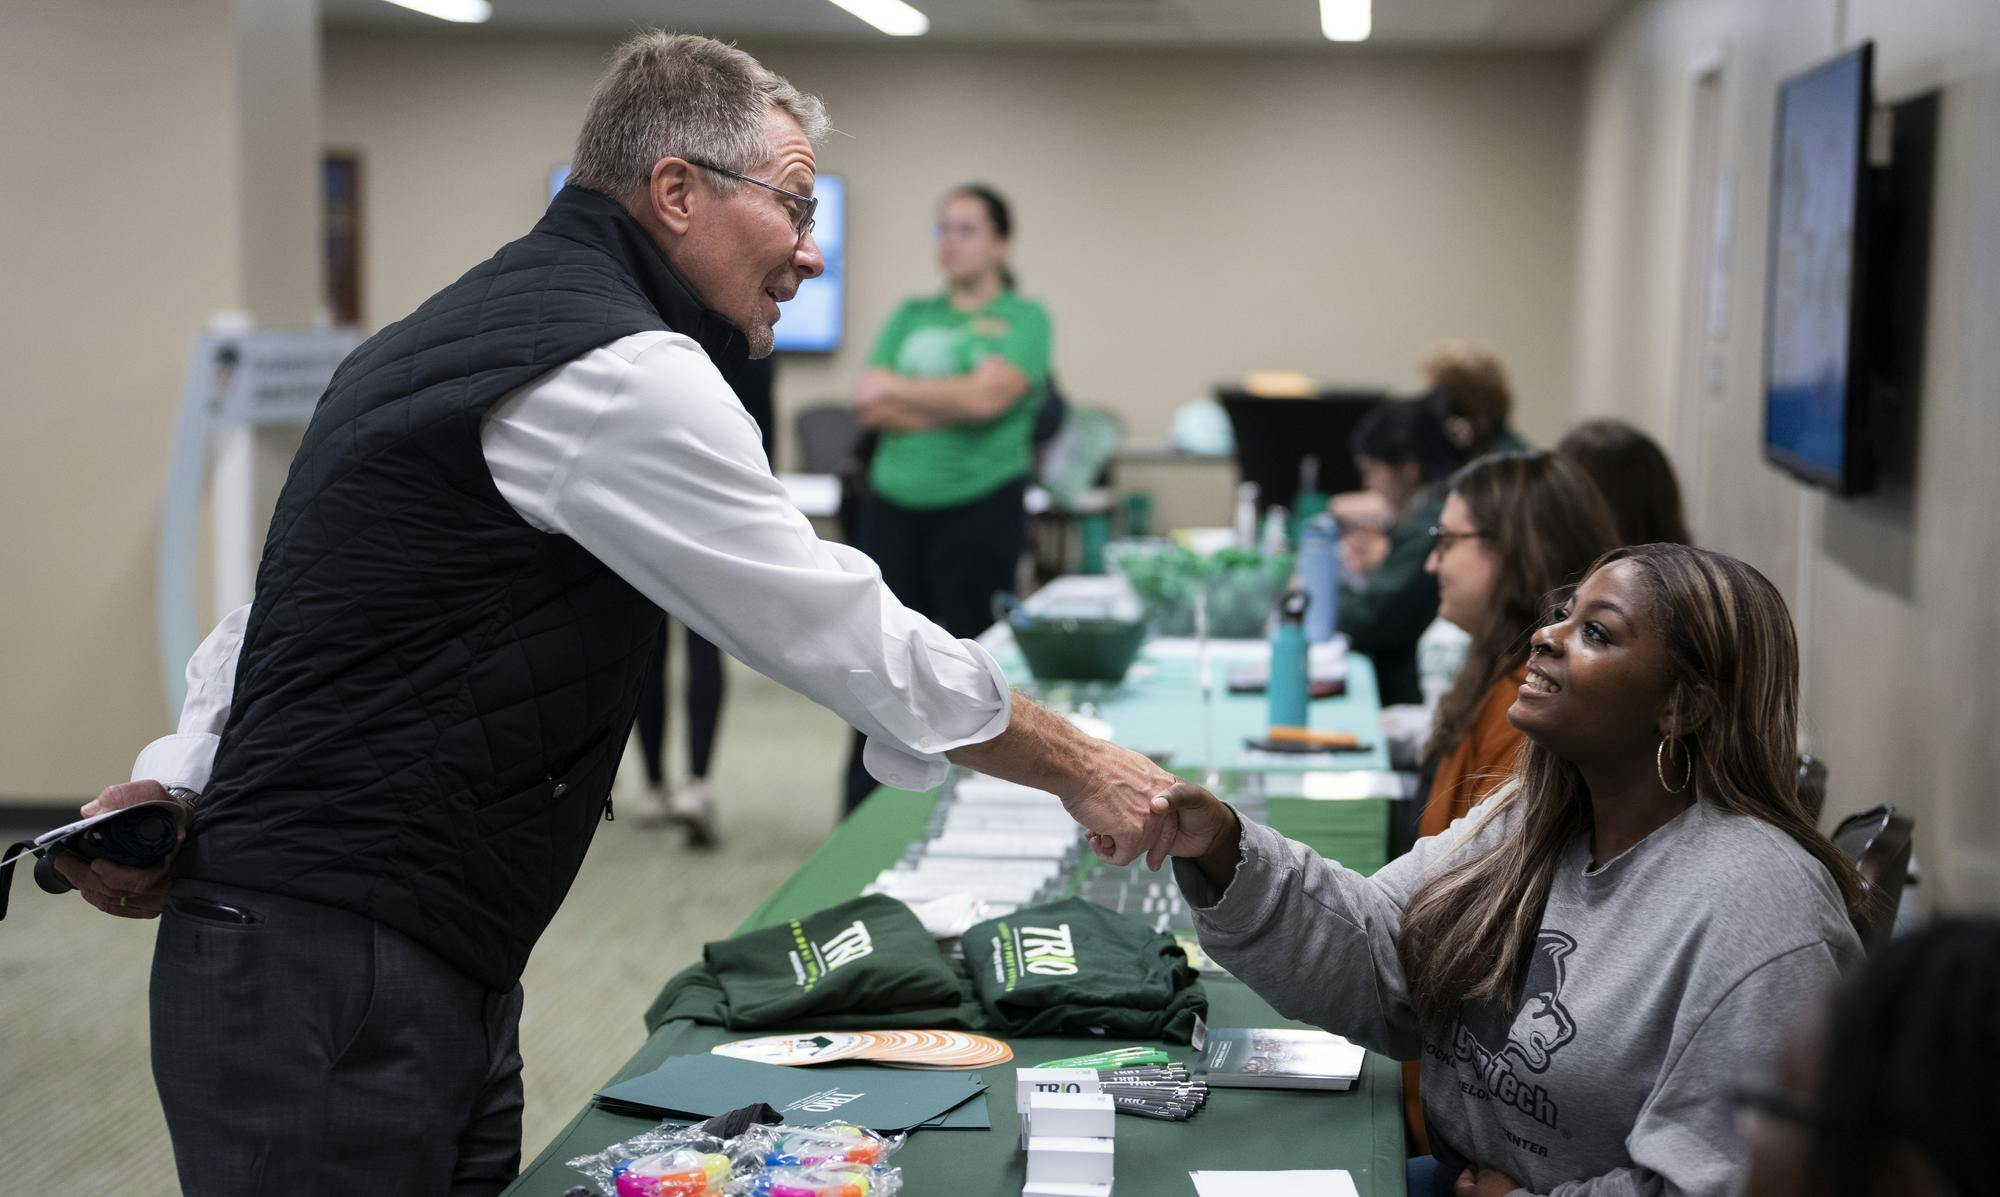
[(396, 755)]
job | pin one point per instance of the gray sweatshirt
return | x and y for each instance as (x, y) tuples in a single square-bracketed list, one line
[(1659, 979)]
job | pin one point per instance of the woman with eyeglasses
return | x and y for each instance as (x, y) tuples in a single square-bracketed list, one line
[(954, 382), (1589, 961)]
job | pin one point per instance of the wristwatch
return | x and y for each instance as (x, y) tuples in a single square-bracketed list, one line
[(184, 794)]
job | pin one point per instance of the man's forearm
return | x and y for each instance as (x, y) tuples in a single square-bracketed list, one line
[(1040, 749)]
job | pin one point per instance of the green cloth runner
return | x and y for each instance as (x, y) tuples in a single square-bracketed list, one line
[(1075, 968)]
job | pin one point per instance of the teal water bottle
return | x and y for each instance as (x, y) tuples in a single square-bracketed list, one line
[(1287, 688)]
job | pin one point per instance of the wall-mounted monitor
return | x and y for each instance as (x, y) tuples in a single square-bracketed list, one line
[(1818, 339), (814, 320)]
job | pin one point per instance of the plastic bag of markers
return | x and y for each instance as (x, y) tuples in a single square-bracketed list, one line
[(667, 1161), (835, 1160), (684, 1161)]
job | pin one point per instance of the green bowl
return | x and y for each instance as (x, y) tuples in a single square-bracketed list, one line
[(1079, 650)]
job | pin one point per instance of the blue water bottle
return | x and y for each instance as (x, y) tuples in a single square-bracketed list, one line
[(1287, 687), (1319, 569)]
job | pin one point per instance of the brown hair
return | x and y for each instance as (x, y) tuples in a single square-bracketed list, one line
[(1635, 477), (1471, 381), (1545, 523), (1732, 653)]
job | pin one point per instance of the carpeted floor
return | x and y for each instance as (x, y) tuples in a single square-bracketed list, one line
[(77, 1107)]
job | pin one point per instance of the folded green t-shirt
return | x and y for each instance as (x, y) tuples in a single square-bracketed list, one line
[(1073, 967), (693, 994), (865, 957)]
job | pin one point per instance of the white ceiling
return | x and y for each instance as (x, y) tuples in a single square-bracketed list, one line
[(1430, 23)]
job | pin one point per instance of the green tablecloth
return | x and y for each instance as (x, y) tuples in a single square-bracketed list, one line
[(1359, 1130), (1158, 708)]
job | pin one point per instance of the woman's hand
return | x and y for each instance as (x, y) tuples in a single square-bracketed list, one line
[(1483, 1182), (1190, 822), (871, 397)]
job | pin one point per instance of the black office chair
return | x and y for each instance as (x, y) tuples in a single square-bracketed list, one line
[(1878, 843), (1812, 786), (828, 436)]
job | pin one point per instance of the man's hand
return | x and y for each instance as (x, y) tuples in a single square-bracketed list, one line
[(1115, 803), (1483, 1182), (113, 888)]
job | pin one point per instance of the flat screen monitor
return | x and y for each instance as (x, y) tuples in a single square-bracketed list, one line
[(1814, 395), (814, 320)]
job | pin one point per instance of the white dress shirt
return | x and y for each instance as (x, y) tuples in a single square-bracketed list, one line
[(641, 453)]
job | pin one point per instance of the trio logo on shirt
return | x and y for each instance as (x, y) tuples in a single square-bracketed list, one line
[(1042, 951), (852, 944), (1049, 951), (1497, 1045), (811, 961)]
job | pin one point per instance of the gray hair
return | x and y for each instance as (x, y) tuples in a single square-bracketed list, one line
[(682, 96)]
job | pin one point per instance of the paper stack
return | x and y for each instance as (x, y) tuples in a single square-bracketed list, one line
[(1069, 1137), (1003, 845)]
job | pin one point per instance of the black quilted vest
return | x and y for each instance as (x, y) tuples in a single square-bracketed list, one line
[(432, 695)]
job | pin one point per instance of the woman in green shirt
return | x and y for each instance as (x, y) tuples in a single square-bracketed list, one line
[(954, 382)]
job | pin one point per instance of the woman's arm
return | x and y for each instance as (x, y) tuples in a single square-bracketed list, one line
[(1313, 938), (892, 402)]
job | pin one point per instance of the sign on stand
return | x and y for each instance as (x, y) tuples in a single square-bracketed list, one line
[(239, 379)]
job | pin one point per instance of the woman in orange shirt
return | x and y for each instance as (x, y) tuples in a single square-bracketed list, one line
[(1516, 527)]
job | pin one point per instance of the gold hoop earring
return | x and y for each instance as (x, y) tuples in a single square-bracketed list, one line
[(1660, 767)]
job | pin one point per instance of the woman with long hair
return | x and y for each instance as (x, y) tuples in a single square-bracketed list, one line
[(1588, 961), (1635, 477), (1515, 528)]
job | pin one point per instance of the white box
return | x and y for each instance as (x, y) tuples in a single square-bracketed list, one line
[(1072, 1115), (1069, 1160), (1029, 1081), (1055, 1189)]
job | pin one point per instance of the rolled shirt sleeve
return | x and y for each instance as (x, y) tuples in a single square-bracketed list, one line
[(183, 760), (640, 453)]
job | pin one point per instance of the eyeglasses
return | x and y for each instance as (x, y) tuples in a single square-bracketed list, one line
[(804, 205), (1442, 539)]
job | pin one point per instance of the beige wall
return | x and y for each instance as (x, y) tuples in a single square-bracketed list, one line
[(135, 220), (1892, 593), (1185, 216), (121, 191)]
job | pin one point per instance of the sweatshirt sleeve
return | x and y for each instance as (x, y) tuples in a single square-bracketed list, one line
[(1683, 1143), (1317, 940)]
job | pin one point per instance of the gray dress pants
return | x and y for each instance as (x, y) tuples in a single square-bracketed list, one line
[(302, 1049)]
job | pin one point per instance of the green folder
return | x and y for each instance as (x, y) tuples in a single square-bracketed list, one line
[(881, 1099)]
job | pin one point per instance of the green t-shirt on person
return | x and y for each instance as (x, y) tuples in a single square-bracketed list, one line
[(928, 338)]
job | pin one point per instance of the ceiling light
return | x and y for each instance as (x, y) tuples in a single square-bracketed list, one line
[(1343, 20), (892, 17), (470, 12)]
